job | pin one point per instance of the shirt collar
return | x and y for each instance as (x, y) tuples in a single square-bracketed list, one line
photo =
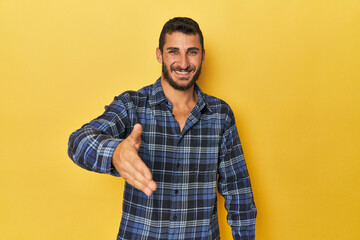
[(157, 96)]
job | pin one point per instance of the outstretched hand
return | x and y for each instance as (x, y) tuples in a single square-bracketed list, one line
[(130, 166)]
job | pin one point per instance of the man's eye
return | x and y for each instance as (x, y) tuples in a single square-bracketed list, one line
[(173, 52), (192, 52)]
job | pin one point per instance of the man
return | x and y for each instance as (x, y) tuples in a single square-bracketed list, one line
[(173, 145)]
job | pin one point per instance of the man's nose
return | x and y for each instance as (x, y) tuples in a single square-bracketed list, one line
[(183, 61)]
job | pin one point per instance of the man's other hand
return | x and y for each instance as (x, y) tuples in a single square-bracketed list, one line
[(130, 166)]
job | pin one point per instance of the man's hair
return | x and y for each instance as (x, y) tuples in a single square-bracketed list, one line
[(180, 24)]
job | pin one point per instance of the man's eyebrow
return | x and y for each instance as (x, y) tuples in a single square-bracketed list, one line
[(172, 48), (189, 49), (193, 48)]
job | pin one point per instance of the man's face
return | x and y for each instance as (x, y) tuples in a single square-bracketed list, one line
[(181, 59)]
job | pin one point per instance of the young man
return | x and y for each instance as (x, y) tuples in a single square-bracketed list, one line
[(173, 144)]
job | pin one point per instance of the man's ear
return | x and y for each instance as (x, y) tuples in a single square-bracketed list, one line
[(158, 55), (203, 56)]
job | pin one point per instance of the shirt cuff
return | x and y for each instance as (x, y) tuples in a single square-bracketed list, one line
[(104, 156)]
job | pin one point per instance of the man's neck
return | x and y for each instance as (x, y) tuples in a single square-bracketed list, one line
[(179, 98), (182, 101)]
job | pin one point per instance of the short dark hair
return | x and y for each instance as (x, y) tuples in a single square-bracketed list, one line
[(180, 24)]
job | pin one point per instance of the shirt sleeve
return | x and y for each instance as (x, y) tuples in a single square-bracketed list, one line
[(92, 146), (234, 184)]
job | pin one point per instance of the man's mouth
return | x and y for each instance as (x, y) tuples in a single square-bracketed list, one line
[(182, 72)]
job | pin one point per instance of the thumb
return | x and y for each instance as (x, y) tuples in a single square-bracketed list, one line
[(135, 135)]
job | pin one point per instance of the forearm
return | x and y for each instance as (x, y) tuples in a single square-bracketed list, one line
[(91, 149)]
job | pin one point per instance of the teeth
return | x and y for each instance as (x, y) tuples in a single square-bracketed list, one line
[(182, 72)]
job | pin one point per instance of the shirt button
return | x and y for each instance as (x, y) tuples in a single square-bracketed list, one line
[(176, 191), (174, 217), (178, 165)]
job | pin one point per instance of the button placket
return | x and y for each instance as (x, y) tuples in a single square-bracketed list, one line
[(175, 183)]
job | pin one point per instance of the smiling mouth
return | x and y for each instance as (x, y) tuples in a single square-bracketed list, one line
[(182, 72)]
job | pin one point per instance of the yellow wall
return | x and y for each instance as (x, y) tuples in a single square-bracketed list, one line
[(289, 69)]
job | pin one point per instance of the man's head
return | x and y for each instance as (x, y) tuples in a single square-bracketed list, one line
[(180, 24), (181, 52)]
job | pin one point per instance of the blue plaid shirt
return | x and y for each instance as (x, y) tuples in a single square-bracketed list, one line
[(187, 166)]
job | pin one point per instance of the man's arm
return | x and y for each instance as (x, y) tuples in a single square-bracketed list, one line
[(234, 185), (92, 146), (101, 146)]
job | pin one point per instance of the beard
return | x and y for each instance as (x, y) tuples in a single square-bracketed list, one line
[(175, 85)]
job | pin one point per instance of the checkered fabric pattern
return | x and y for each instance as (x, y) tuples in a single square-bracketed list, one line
[(187, 166)]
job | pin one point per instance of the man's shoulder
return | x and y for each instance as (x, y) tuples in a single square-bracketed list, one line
[(217, 105), (132, 96), (221, 110)]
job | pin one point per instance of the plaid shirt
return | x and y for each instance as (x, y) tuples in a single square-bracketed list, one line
[(187, 166)]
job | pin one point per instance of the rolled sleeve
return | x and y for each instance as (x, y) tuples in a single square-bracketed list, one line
[(92, 146)]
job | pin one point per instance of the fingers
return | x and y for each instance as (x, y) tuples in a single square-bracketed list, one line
[(137, 174), (142, 177), (147, 186), (135, 136)]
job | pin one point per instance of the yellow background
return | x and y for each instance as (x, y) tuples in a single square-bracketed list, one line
[(289, 69)]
